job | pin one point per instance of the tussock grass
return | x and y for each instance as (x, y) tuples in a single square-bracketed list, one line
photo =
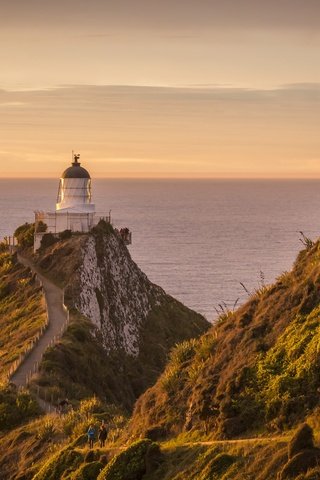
[(257, 368), (22, 311)]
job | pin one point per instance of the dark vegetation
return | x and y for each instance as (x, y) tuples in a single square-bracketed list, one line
[(139, 459), (302, 454), (16, 407), (24, 234)]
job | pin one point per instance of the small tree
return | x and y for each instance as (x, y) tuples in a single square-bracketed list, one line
[(47, 240), (25, 234)]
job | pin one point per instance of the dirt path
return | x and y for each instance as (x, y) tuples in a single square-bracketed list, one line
[(57, 318), (238, 441)]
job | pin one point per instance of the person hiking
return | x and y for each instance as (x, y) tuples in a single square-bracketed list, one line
[(103, 433), (90, 433)]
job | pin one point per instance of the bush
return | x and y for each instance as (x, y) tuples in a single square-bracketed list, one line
[(46, 430), (300, 463), (217, 466), (25, 235), (103, 227), (65, 234), (128, 465), (15, 408), (103, 459), (89, 471), (303, 439), (47, 241), (90, 456), (67, 460)]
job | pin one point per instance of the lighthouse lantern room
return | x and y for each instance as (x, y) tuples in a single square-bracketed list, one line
[(74, 192)]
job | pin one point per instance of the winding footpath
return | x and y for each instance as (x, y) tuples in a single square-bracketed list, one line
[(57, 321)]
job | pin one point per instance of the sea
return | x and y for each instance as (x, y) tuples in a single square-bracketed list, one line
[(206, 242)]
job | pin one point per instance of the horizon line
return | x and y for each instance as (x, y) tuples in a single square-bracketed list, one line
[(168, 178)]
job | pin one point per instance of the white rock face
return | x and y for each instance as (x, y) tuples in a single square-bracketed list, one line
[(113, 293)]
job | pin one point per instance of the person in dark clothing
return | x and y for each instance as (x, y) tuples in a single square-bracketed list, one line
[(103, 433)]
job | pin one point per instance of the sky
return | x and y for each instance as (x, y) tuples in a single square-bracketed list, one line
[(143, 88)]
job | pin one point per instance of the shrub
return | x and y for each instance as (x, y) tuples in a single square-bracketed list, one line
[(46, 430), (103, 227), (300, 463), (15, 407), (25, 234), (48, 240), (103, 459), (90, 471), (67, 460), (183, 352), (128, 465), (65, 234), (313, 474), (303, 439), (90, 456), (217, 466)]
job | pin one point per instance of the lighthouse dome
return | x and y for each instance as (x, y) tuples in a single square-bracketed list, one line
[(75, 171)]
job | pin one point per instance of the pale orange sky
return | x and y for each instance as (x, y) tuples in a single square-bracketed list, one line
[(212, 89)]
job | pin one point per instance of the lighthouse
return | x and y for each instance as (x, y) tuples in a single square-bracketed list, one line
[(74, 208), (74, 194)]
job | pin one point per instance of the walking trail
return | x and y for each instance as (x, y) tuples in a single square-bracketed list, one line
[(57, 320)]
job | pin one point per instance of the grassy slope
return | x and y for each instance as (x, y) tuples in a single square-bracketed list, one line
[(22, 310), (41, 451), (256, 370), (78, 366)]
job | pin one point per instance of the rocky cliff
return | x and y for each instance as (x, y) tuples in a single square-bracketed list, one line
[(134, 321)]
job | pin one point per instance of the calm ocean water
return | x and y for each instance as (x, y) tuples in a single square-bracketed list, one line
[(198, 239)]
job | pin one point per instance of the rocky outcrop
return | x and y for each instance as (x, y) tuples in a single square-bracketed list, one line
[(113, 292)]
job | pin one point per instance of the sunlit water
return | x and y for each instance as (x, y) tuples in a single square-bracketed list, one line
[(197, 239)]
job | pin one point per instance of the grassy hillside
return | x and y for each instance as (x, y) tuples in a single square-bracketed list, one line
[(236, 403), (257, 370), (54, 448), (49, 443), (22, 311)]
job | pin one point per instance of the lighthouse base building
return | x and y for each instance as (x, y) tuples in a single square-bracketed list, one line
[(74, 208)]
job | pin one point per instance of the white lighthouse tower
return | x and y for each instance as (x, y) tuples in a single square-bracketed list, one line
[(74, 208), (74, 193)]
